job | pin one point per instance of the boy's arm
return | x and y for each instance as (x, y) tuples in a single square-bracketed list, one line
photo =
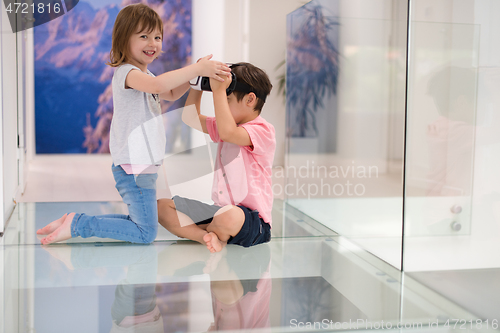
[(228, 130), (168, 82), (191, 115)]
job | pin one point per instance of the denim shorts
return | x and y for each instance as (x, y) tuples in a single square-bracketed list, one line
[(254, 230)]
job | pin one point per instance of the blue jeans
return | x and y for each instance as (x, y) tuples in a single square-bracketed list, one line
[(140, 226)]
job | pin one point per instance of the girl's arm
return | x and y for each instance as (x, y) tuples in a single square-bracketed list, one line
[(176, 93), (191, 114), (168, 82)]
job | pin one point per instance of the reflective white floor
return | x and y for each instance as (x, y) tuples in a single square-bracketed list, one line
[(434, 247), (306, 278)]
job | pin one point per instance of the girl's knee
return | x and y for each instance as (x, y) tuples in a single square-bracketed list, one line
[(149, 235)]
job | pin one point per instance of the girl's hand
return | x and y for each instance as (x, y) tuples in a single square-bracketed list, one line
[(213, 69)]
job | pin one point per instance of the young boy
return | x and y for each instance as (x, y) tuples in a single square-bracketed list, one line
[(241, 191)]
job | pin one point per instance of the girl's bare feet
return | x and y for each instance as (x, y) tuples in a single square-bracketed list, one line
[(51, 227), (62, 233), (214, 244)]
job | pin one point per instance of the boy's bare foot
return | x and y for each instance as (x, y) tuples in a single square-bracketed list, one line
[(60, 234), (214, 244), (213, 262), (51, 227)]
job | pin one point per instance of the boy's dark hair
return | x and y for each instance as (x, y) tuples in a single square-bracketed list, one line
[(131, 19), (255, 78)]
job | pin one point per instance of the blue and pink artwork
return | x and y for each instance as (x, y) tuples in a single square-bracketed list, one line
[(73, 99), (312, 70)]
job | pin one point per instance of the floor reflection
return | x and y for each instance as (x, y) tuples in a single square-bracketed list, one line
[(229, 290), (299, 281), (139, 304), (238, 301)]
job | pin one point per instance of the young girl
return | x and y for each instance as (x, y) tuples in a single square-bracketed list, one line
[(137, 137)]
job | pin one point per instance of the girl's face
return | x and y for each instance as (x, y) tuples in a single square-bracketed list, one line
[(144, 48)]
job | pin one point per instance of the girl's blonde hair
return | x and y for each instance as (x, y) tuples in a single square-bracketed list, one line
[(130, 20)]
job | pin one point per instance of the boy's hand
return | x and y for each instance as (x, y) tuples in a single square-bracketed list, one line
[(213, 69), (216, 85)]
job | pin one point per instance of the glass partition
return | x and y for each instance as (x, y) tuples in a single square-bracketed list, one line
[(346, 64), (452, 139), (442, 95), (452, 220), (392, 119), (452, 197), (441, 128)]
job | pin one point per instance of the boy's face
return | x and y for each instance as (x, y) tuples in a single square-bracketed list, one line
[(145, 47), (239, 110)]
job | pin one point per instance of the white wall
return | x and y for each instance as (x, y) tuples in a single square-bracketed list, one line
[(9, 117), (2, 224), (246, 30), (30, 95), (8, 157), (267, 48), (208, 38), (255, 31)]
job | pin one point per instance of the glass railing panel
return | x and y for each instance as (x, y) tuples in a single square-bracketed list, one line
[(346, 66)]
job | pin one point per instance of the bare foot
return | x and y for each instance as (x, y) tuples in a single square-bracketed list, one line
[(51, 227), (62, 233), (214, 244)]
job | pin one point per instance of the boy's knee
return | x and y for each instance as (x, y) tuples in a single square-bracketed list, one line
[(164, 204), (227, 216)]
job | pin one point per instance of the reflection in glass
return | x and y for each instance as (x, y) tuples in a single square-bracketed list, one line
[(186, 288), (451, 134), (238, 302), (345, 169), (240, 286), (442, 97), (181, 287), (134, 306), (240, 281)]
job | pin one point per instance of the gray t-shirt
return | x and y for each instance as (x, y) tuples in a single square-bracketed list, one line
[(137, 134)]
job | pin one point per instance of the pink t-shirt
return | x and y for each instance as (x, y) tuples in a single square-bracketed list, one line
[(243, 174), (250, 311)]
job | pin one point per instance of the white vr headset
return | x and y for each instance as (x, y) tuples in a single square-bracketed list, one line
[(202, 83)]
